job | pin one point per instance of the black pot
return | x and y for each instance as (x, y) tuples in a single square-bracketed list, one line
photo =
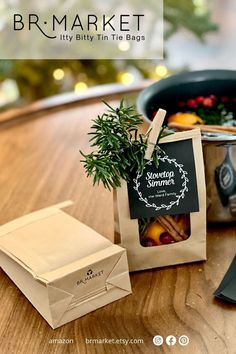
[(168, 92)]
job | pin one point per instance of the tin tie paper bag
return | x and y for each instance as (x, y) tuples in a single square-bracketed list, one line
[(62, 266), (160, 215), (158, 183)]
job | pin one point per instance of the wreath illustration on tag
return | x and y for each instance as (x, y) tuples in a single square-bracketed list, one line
[(178, 197)]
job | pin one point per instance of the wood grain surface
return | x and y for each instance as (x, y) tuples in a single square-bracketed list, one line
[(40, 166)]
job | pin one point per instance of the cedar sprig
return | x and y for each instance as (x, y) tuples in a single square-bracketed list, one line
[(120, 149)]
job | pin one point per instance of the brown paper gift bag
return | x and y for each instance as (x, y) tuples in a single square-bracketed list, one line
[(127, 232), (62, 266)]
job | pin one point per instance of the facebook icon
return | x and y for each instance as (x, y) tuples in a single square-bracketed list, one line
[(170, 340)]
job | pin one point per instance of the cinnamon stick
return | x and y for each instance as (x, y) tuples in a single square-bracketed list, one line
[(204, 128), (169, 228), (173, 228), (176, 226)]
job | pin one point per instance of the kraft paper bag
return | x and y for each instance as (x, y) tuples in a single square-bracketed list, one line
[(127, 228), (62, 266)]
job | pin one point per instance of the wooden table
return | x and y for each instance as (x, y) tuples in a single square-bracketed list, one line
[(40, 166)]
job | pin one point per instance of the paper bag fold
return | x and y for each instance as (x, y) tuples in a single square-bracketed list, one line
[(62, 266)]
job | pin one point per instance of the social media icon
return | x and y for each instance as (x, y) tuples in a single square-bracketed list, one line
[(170, 340), (158, 340), (183, 340)]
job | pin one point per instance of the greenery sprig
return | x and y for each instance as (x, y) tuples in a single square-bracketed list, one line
[(120, 149), (218, 115)]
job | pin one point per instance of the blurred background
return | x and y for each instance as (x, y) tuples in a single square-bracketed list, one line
[(199, 34)]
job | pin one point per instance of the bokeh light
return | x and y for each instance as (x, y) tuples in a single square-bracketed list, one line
[(126, 78), (58, 74), (80, 86), (161, 70)]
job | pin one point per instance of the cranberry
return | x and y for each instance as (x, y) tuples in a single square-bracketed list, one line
[(213, 97), (166, 238), (191, 103), (199, 99), (148, 242), (224, 99), (208, 102)]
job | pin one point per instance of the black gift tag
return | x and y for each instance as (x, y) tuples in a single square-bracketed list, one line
[(225, 178), (227, 288), (169, 189)]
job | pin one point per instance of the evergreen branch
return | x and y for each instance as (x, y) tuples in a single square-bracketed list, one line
[(120, 148)]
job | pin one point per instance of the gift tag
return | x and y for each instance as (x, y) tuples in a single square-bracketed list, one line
[(227, 288), (225, 178), (169, 189)]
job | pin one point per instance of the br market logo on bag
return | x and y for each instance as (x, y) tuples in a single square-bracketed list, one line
[(169, 189), (89, 276), (82, 30)]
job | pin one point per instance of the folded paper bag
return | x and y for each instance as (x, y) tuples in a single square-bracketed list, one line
[(62, 266)]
